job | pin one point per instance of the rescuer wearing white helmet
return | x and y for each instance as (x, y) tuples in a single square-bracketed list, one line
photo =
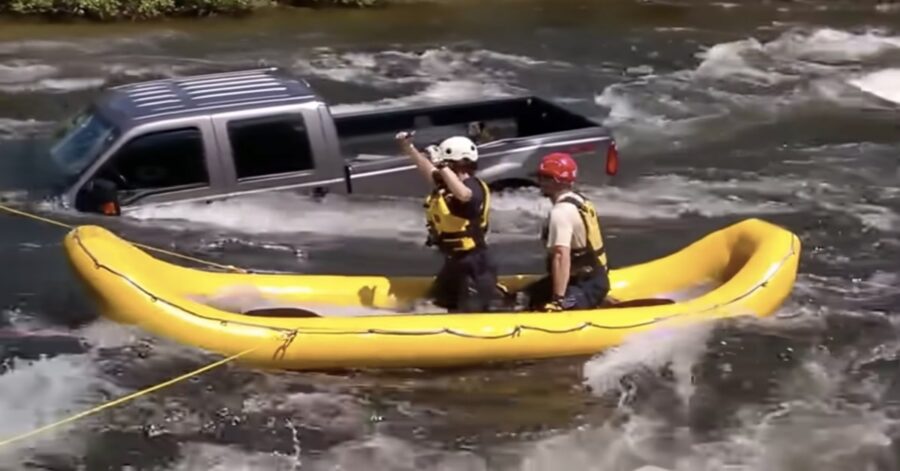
[(457, 212)]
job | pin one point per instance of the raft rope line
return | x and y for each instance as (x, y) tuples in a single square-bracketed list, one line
[(291, 334), (124, 399), (145, 391), (146, 247)]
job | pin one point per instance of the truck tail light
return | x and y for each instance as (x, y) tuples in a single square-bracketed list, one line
[(612, 154), (612, 158)]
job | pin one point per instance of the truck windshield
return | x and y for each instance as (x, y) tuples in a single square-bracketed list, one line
[(83, 140)]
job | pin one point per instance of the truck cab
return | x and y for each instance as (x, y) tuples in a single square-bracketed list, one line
[(219, 135)]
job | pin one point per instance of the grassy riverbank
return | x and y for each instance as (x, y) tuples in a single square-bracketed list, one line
[(108, 10)]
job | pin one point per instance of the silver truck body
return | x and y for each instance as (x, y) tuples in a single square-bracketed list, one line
[(221, 135)]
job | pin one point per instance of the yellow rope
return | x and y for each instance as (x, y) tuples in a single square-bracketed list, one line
[(193, 259), (34, 216), (142, 392), (147, 247), (124, 399)]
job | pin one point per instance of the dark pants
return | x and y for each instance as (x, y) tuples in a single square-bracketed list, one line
[(582, 293), (466, 283)]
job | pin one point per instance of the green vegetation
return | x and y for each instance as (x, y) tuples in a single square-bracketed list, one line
[(105, 10)]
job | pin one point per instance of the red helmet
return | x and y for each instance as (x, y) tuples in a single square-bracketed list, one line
[(559, 166)]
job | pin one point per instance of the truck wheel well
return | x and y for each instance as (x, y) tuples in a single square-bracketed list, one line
[(511, 184)]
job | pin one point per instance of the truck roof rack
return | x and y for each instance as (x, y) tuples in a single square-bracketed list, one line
[(229, 73), (200, 93)]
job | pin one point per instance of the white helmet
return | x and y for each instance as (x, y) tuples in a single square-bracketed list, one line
[(457, 148)]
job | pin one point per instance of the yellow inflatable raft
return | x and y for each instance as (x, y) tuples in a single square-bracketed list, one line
[(748, 268)]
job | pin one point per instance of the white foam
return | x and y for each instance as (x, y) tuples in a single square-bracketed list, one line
[(91, 45), (762, 436), (878, 217), (294, 213), (885, 7), (55, 85), (673, 196), (520, 213), (604, 447), (338, 414), (835, 295), (798, 436), (884, 84), (20, 71), (518, 60), (348, 67), (48, 68), (514, 213), (15, 127), (646, 114), (164, 69), (391, 67), (679, 347), (107, 334), (40, 392), (832, 46), (728, 60), (443, 91), (674, 29), (812, 427), (378, 453), (213, 457), (381, 452), (746, 82), (440, 74), (35, 46)]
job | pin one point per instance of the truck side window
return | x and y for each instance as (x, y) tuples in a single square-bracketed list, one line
[(270, 145), (162, 159)]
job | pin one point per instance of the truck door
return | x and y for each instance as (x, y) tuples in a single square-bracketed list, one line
[(275, 149), (156, 164)]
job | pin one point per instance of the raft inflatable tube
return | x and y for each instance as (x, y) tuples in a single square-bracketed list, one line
[(747, 269)]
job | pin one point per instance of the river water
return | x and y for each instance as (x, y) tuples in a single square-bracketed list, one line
[(786, 111)]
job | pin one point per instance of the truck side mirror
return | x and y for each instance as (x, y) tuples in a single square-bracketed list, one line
[(99, 195)]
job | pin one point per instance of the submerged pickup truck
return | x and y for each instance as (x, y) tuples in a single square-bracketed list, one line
[(207, 137)]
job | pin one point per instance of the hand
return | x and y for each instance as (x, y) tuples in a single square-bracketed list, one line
[(405, 138), (556, 304), (552, 306), (434, 154)]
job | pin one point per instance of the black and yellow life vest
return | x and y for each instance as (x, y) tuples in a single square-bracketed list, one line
[(452, 233), (586, 260)]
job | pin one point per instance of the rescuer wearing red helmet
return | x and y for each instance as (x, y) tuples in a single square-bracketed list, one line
[(576, 258)]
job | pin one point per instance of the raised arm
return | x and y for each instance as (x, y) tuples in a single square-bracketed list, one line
[(455, 185), (426, 168)]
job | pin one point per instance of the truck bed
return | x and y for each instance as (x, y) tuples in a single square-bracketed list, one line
[(370, 134)]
